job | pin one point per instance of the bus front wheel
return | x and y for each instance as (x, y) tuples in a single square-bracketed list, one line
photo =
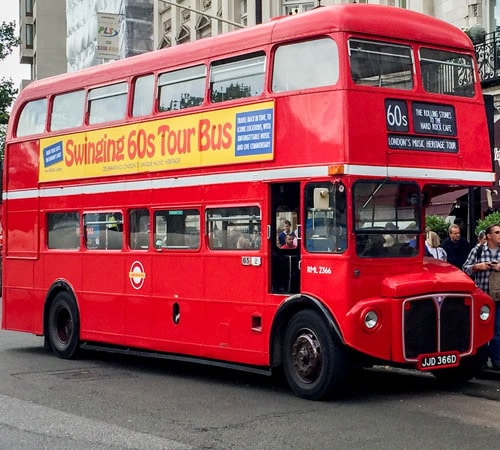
[(63, 329), (314, 363)]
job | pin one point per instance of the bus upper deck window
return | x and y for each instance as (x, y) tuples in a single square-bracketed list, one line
[(182, 88), (237, 78), (108, 103), (142, 103), (448, 73), (381, 64), (67, 110), (33, 117), (305, 65)]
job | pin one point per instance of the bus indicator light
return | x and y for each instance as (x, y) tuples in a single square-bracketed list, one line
[(336, 170)]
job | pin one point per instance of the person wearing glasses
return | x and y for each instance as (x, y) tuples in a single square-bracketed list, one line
[(456, 247), (484, 267)]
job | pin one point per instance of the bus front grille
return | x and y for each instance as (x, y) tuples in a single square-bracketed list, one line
[(436, 324)]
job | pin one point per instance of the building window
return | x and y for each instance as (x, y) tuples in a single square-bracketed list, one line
[(29, 7), (165, 42), (163, 7), (244, 12), (203, 28), (167, 26), (291, 7), (184, 35), (30, 32)]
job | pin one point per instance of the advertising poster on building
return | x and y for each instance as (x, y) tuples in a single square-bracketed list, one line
[(108, 35)]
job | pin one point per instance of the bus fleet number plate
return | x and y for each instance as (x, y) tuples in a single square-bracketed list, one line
[(437, 361)]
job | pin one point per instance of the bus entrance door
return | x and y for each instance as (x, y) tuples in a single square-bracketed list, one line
[(284, 242)]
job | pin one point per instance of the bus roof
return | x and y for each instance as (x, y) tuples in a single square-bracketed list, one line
[(377, 20)]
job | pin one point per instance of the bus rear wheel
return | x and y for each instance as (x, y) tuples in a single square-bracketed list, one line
[(314, 363), (63, 326)]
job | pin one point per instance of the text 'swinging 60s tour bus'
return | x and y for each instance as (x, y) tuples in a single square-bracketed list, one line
[(145, 200)]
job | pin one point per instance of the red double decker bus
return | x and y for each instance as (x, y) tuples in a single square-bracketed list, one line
[(254, 200)]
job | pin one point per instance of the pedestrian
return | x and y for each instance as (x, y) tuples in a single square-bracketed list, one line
[(287, 230), (456, 247), (481, 237), (483, 265), (433, 246)]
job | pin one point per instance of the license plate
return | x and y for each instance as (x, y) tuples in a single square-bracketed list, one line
[(438, 361)]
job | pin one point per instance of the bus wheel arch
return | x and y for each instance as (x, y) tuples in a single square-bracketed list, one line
[(308, 345), (62, 321)]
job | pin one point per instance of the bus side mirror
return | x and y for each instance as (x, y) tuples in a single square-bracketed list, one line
[(321, 198)]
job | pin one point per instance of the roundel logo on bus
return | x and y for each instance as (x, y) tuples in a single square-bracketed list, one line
[(231, 135), (137, 275)]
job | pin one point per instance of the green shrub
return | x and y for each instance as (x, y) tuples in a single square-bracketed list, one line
[(438, 225), (490, 219)]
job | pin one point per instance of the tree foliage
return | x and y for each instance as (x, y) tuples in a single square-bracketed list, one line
[(490, 219), (8, 42), (438, 225)]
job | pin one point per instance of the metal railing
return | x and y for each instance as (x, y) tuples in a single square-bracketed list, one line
[(488, 58)]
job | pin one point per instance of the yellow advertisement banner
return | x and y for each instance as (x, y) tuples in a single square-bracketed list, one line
[(233, 135)]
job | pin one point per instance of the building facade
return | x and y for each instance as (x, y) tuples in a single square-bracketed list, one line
[(42, 26), (100, 31), (63, 35), (60, 36), (178, 21)]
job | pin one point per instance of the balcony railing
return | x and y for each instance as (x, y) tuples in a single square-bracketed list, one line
[(488, 59)]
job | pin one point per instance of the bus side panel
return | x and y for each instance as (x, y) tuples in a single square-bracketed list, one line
[(22, 309), (61, 265), (234, 306), (22, 230), (177, 304), (22, 162), (369, 136), (137, 299), (102, 306)]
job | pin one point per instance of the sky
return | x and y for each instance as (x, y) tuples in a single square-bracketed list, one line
[(10, 67)]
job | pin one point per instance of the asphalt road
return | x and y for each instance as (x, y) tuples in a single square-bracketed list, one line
[(106, 401)]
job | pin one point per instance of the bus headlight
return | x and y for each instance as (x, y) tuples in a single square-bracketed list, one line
[(371, 319), (484, 313)]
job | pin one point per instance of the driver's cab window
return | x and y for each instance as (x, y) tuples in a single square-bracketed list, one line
[(287, 233), (325, 226), (387, 220)]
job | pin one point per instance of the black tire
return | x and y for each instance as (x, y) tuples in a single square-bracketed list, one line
[(63, 326), (314, 363)]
